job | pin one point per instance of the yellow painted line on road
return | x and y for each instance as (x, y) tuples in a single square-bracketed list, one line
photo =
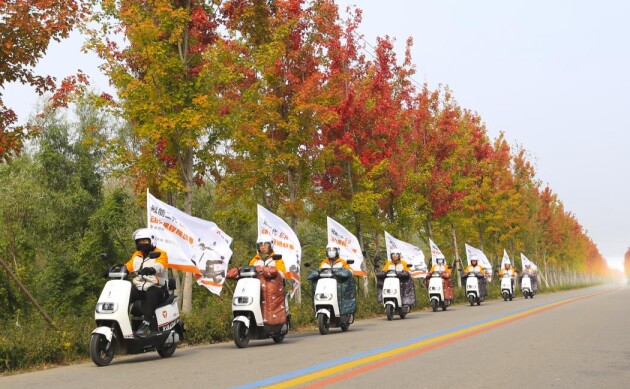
[(414, 348)]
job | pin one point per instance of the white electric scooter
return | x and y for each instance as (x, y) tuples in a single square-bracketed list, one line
[(472, 289), (526, 286), (436, 292), (507, 290), (392, 296), (326, 301), (115, 329), (248, 320)]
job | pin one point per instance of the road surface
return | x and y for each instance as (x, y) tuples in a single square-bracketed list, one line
[(573, 339)]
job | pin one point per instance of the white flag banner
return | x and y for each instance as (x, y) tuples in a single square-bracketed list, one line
[(285, 243), (481, 257), (192, 244), (505, 259), (435, 253), (526, 261), (349, 246), (409, 253)]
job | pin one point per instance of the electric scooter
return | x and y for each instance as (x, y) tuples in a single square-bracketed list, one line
[(436, 292), (248, 320), (326, 300), (117, 320), (526, 286), (392, 296), (472, 288), (507, 290)]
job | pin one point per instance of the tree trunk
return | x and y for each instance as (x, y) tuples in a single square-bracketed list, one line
[(458, 261), (28, 294), (188, 180)]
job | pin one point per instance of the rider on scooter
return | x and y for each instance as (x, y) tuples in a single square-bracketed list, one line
[(474, 267), (151, 278), (533, 274), (508, 269), (395, 262), (440, 266)]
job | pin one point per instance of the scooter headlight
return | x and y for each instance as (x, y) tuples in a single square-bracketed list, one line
[(390, 291), (106, 307), (242, 300), (324, 296)]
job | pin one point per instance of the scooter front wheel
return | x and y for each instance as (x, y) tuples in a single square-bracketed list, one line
[(505, 296), (434, 305), (389, 311), (167, 351), (241, 334), (101, 351), (471, 300), (323, 323)]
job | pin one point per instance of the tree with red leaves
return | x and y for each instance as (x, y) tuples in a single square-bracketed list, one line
[(26, 29)]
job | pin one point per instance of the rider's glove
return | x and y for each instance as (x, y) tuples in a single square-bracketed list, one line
[(147, 271)]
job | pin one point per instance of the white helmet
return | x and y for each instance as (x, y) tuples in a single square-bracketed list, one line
[(332, 251), (395, 251), (144, 233), (264, 238)]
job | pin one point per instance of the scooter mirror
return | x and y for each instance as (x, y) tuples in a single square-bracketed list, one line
[(350, 261), (154, 255), (276, 257), (307, 264), (104, 257)]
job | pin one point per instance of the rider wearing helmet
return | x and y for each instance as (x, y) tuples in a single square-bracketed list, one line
[(395, 262), (474, 267), (507, 269), (150, 264), (264, 255), (440, 266), (333, 261), (533, 274)]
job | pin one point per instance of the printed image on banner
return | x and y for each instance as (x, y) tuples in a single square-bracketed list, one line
[(409, 253), (527, 261), (285, 243), (193, 245), (348, 244), (435, 253), (481, 257)]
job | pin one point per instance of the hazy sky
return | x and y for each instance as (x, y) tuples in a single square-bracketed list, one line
[(553, 75)]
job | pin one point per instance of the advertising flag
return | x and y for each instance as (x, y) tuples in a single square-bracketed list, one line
[(285, 243), (525, 261), (435, 253), (192, 244), (409, 253), (481, 257), (348, 244)]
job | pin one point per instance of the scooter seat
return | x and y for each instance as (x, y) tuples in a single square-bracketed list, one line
[(167, 301)]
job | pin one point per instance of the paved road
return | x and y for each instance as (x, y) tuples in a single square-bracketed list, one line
[(574, 339)]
